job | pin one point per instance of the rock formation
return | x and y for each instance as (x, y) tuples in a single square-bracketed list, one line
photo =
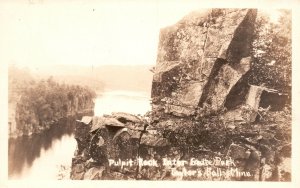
[(202, 107), (200, 59)]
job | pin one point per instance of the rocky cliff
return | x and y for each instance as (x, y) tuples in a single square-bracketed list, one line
[(204, 123), (200, 60)]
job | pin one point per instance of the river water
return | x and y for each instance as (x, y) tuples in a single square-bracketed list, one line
[(48, 156)]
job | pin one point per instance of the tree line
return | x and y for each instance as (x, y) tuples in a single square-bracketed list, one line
[(39, 103)]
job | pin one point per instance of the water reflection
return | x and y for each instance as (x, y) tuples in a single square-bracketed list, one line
[(23, 151)]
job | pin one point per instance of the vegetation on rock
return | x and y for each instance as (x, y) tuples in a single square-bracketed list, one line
[(272, 52)]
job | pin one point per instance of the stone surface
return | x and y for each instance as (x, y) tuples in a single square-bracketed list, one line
[(154, 140), (79, 168), (86, 119), (126, 117), (93, 173), (82, 135), (100, 122), (78, 176), (237, 152), (220, 87), (193, 70), (77, 171)]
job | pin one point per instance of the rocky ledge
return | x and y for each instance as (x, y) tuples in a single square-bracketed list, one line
[(126, 147), (206, 123)]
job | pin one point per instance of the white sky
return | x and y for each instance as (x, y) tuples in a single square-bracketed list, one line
[(40, 32), (87, 33)]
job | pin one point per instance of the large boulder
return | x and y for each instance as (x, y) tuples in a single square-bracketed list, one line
[(200, 59)]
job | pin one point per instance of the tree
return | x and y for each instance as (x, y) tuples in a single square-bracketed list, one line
[(272, 55)]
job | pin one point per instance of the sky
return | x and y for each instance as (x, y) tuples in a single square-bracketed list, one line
[(41, 32), (86, 33)]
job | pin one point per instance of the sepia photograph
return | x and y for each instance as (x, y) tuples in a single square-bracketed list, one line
[(147, 90)]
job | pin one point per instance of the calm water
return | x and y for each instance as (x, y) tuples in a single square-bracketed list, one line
[(41, 155), (122, 101), (44, 156)]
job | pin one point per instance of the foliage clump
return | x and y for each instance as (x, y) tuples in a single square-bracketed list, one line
[(42, 102), (272, 52)]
